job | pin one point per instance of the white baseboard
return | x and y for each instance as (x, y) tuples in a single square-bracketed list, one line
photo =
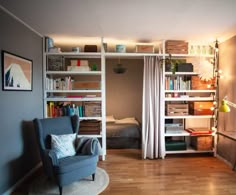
[(224, 160), (18, 183)]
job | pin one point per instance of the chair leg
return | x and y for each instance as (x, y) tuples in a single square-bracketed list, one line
[(60, 190), (93, 176)]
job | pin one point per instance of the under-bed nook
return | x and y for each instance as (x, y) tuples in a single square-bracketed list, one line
[(123, 133)]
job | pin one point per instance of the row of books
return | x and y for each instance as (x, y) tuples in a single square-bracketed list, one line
[(86, 109), (177, 83), (56, 109), (59, 83)]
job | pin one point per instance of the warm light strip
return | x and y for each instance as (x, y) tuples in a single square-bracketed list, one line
[(75, 40)]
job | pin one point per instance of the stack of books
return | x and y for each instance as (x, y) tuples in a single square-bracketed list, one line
[(90, 127)]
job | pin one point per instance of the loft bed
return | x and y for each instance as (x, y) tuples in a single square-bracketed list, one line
[(123, 133)]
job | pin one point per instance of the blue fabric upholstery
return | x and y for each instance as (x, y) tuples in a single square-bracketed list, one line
[(69, 169)]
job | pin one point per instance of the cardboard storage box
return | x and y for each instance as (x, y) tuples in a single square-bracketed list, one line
[(200, 108), (184, 67), (177, 109), (204, 142), (176, 47), (86, 85), (90, 48), (144, 48), (197, 83), (92, 109)]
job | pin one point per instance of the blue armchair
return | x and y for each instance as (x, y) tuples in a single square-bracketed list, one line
[(67, 169)]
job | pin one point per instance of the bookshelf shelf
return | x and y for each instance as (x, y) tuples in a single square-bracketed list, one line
[(190, 117), (190, 91), (73, 73), (74, 91), (183, 91), (190, 99), (79, 90), (61, 99)]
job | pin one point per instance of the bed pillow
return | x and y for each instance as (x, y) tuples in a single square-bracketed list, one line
[(63, 145), (130, 120), (110, 119)]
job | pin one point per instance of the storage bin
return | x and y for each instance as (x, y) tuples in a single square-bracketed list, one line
[(86, 85), (184, 67), (202, 142), (197, 83), (92, 109), (90, 48), (172, 145), (200, 108), (144, 48), (176, 47), (120, 48)]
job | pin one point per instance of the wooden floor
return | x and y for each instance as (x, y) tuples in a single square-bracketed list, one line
[(186, 174)]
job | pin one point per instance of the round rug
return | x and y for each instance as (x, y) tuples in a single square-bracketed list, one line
[(44, 186)]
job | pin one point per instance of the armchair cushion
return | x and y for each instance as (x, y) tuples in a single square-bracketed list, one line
[(63, 145), (71, 163)]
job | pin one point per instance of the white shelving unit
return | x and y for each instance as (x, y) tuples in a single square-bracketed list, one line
[(205, 96), (74, 95)]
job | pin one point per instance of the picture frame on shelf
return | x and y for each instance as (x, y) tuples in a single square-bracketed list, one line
[(17, 72)]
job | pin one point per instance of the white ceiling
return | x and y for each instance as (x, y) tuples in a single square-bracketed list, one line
[(137, 20)]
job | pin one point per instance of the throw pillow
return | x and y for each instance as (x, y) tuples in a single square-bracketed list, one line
[(63, 145)]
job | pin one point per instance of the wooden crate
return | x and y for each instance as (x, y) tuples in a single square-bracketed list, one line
[(176, 47), (197, 83), (92, 109), (176, 109), (200, 108), (204, 142)]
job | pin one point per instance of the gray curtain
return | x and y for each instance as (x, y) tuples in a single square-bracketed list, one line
[(153, 106)]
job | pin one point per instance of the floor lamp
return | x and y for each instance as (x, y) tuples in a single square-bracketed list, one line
[(225, 107)]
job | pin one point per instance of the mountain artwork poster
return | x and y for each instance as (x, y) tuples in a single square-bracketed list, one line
[(16, 72)]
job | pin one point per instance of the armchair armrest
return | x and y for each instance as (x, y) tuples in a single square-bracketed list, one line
[(51, 157), (88, 146)]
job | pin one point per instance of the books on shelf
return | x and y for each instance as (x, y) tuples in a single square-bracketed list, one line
[(83, 109), (56, 109), (59, 83), (177, 83)]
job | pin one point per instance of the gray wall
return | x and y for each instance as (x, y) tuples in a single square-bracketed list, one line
[(124, 91), (227, 122), (18, 154)]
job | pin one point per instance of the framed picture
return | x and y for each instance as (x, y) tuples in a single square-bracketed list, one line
[(16, 72)]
